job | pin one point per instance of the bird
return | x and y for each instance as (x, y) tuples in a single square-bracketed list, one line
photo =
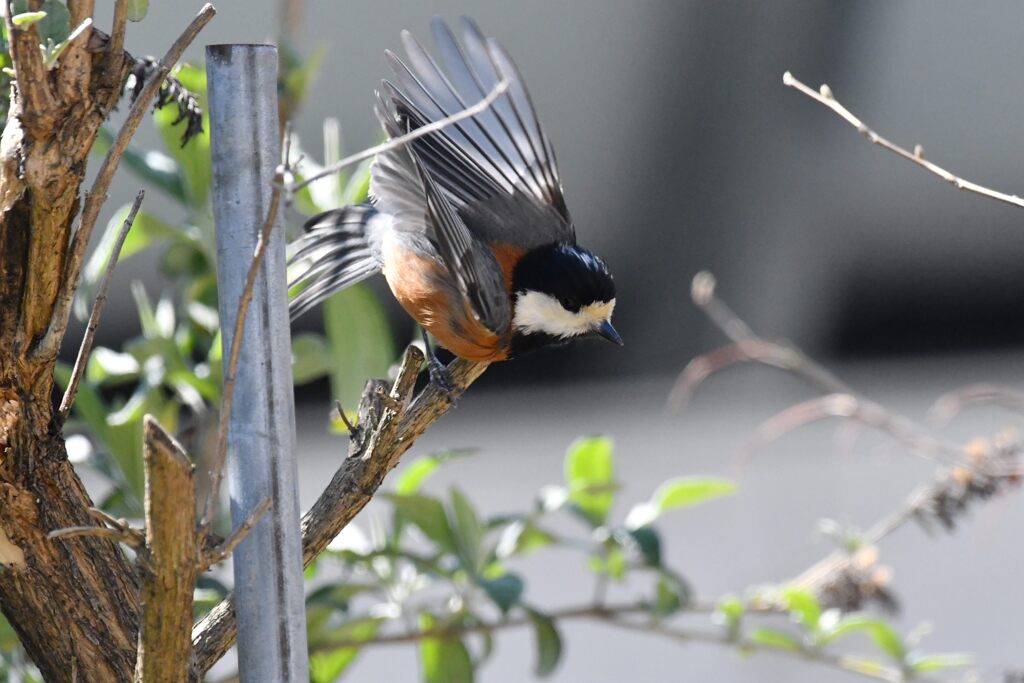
[(469, 223)]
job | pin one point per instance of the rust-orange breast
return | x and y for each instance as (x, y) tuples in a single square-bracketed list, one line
[(417, 283)]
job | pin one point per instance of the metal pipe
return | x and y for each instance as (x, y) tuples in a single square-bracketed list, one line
[(245, 147)]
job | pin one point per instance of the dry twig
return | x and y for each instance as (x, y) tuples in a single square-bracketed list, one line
[(97, 310), (824, 96)]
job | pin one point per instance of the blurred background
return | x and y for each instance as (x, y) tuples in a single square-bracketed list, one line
[(681, 150)]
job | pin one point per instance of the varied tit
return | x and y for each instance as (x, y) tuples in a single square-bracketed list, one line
[(468, 224)]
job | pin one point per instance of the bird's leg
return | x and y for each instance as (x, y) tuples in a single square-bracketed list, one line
[(439, 375)]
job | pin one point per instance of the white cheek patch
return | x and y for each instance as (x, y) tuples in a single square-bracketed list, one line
[(539, 312)]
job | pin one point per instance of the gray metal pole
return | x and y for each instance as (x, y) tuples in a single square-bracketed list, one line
[(245, 147)]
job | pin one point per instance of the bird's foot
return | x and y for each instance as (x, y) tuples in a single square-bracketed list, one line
[(440, 376)]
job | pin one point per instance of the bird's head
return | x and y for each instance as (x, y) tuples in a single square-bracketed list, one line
[(562, 292)]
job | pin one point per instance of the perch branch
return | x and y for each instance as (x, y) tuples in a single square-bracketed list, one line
[(387, 429), (97, 310), (49, 345), (824, 96), (169, 561), (466, 113), (129, 537)]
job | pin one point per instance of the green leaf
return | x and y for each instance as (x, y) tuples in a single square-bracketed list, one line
[(328, 666), (924, 664), (778, 640), (729, 613), (803, 606), (505, 590), (359, 339), (193, 158), (549, 642), (669, 595), (589, 472), (107, 367), (681, 492), (156, 168), (649, 543), (428, 515), (413, 475), (26, 19), (884, 636), (520, 538), (146, 231), (444, 660), (311, 359), (137, 9), (465, 525), (56, 22)]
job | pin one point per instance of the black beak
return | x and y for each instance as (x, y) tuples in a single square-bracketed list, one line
[(608, 332)]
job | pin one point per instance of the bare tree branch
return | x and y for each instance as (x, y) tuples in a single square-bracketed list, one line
[(97, 310), (224, 550), (824, 96), (387, 429), (50, 343), (169, 561)]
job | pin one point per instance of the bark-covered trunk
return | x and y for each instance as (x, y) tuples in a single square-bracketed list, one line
[(72, 601)]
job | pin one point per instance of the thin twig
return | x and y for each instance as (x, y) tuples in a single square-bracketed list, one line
[(952, 403), (231, 369), (97, 195), (344, 418), (440, 124), (224, 550), (132, 537), (97, 310), (824, 96), (117, 29)]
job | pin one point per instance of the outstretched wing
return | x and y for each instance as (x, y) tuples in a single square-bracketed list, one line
[(497, 168), (405, 190)]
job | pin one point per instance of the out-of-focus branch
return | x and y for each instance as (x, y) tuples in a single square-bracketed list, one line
[(387, 427), (97, 310), (824, 96)]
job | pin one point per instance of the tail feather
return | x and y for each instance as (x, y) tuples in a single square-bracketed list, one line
[(335, 253)]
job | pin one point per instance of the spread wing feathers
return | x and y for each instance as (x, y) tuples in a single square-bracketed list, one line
[(334, 253), (407, 192), (502, 150)]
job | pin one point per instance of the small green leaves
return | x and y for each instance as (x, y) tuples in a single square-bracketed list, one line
[(26, 19), (137, 9), (682, 492), (327, 666), (803, 606), (548, 642), (311, 359), (729, 613), (505, 590), (444, 660), (884, 636), (465, 526), (925, 664), (419, 470), (359, 340), (590, 472), (427, 514), (778, 640)]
